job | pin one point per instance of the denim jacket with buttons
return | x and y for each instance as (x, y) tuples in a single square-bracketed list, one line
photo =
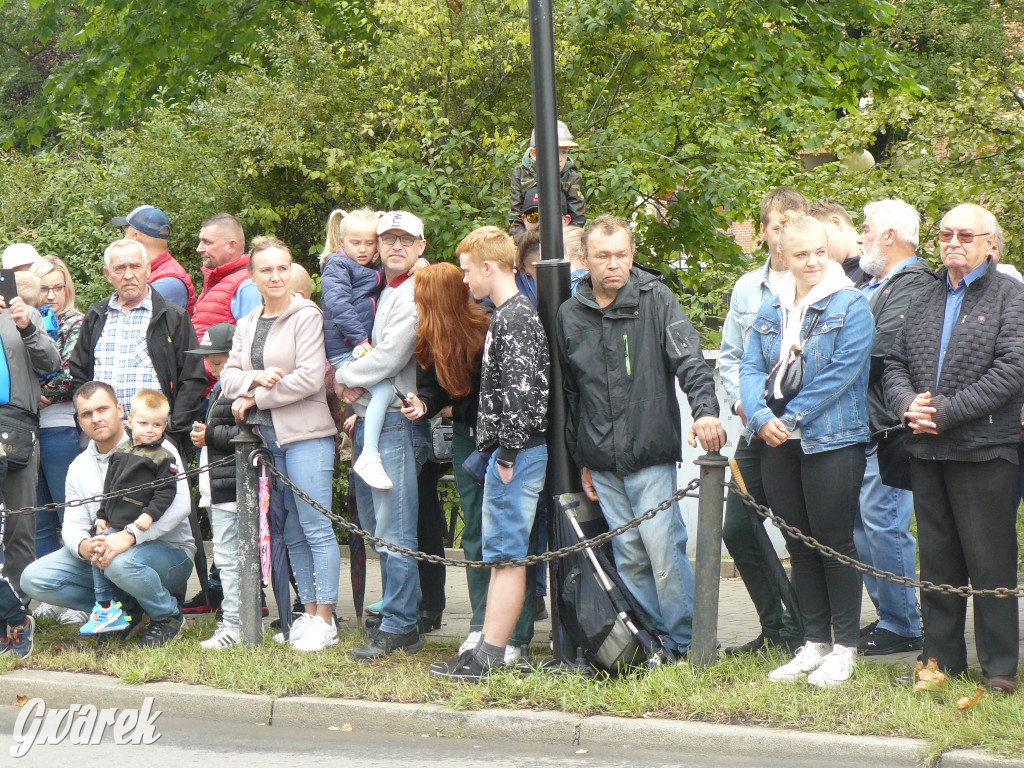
[(748, 295), (831, 407)]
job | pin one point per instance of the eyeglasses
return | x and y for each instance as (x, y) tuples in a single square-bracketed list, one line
[(533, 216), (405, 240), (48, 288), (946, 236)]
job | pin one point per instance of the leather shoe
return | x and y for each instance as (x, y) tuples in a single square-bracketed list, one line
[(1002, 684), (758, 644), (385, 643), (372, 621), (881, 642), (429, 621)]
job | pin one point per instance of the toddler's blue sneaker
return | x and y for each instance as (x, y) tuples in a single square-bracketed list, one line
[(102, 619)]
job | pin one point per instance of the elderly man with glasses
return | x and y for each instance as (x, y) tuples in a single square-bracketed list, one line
[(955, 376)]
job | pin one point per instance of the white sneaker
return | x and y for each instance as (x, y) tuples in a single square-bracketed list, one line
[(513, 655), (71, 616), (317, 635), (836, 668), (225, 636), (369, 467), (299, 624), (47, 611), (472, 641), (808, 658)]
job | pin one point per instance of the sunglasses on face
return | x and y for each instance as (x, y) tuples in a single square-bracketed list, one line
[(405, 240), (946, 236), (533, 216)]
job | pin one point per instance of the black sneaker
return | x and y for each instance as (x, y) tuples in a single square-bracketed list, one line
[(867, 629), (760, 643), (161, 632), (199, 603), (540, 611), (429, 621), (882, 642), (465, 666), (385, 643), (372, 622)]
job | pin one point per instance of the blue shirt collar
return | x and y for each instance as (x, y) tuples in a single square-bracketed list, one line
[(969, 278)]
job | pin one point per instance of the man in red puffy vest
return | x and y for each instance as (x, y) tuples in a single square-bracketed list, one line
[(228, 293), (151, 227)]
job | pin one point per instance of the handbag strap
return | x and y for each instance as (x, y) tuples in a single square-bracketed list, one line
[(20, 415)]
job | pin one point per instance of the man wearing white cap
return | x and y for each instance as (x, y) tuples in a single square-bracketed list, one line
[(524, 179), (392, 514), (19, 257)]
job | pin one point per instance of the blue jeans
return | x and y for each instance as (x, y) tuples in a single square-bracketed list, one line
[(651, 559), (392, 515), (58, 446), (308, 535), (509, 508), (149, 572), (881, 533)]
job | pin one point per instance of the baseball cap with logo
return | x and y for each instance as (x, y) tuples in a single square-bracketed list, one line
[(148, 219), (531, 202), (19, 255), (402, 220), (565, 138), (217, 339)]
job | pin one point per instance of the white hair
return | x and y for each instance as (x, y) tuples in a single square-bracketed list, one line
[(124, 243), (1000, 240), (896, 215)]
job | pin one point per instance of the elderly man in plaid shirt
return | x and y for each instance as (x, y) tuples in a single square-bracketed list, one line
[(136, 340)]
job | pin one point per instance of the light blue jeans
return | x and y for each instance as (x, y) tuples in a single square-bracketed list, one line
[(308, 535), (881, 533), (381, 396), (150, 572), (651, 559), (224, 524), (392, 515)]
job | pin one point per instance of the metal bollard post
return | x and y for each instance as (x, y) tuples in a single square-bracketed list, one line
[(246, 490), (704, 645)]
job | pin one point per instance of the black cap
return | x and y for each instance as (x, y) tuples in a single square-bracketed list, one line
[(217, 339), (531, 202)]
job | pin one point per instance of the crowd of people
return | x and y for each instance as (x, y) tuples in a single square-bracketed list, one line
[(869, 387)]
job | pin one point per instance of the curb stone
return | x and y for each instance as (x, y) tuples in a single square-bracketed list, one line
[(61, 689)]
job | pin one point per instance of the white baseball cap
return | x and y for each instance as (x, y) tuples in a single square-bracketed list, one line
[(402, 220), (19, 255)]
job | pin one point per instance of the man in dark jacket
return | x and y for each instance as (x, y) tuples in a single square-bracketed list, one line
[(955, 377), (624, 340), (136, 340), (881, 532)]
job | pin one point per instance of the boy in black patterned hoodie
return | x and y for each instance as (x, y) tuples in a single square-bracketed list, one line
[(511, 423)]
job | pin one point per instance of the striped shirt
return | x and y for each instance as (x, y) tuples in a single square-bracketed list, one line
[(122, 354)]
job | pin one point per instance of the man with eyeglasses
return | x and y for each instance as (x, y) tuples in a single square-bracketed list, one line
[(955, 377), (392, 514)]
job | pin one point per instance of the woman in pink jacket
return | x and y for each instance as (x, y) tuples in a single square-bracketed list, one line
[(275, 374)]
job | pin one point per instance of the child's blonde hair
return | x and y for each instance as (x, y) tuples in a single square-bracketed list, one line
[(340, 222), (151, 401), (28, 287)]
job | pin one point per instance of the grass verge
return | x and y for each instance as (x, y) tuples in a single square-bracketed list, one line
[(734, 691)]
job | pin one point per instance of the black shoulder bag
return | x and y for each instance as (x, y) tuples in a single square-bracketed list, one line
[(792, 377), (18, 428)]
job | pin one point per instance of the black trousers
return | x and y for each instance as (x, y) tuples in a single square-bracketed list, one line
[(818, 494), (743, 541), (966, 517), (430, 529)]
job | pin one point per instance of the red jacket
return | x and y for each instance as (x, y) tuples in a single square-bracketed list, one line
[(166, 265), (219, 286)]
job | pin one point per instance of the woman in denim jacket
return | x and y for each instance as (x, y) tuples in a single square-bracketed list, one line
[(814, 468)]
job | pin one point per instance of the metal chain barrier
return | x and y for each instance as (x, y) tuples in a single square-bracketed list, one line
[(54, 506), (857, 565), (597, 541)]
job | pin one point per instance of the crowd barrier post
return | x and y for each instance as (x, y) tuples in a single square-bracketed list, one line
[(249, 570), (704, 645)]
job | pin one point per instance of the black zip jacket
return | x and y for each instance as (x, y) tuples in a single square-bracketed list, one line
[(620, 363), (220, 429), (435, 397), (980, 388), (131, 466), (889, 308), (182, 377)]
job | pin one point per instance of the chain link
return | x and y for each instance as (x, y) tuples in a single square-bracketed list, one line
[(857, 565), (545, 557), (56, 505)]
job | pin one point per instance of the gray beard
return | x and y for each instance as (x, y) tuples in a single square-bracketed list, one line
[(873, 261)]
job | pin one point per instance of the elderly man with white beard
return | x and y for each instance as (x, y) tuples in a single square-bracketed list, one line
[(889, 238)]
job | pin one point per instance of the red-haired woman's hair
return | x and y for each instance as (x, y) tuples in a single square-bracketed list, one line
[(451, 327)]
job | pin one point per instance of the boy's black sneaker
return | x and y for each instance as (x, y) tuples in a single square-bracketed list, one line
[(385, 643), (465, 666), (160, 632), (200, 604), (882, 642)]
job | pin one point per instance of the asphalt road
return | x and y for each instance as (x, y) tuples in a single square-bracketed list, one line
[(184, 743)]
